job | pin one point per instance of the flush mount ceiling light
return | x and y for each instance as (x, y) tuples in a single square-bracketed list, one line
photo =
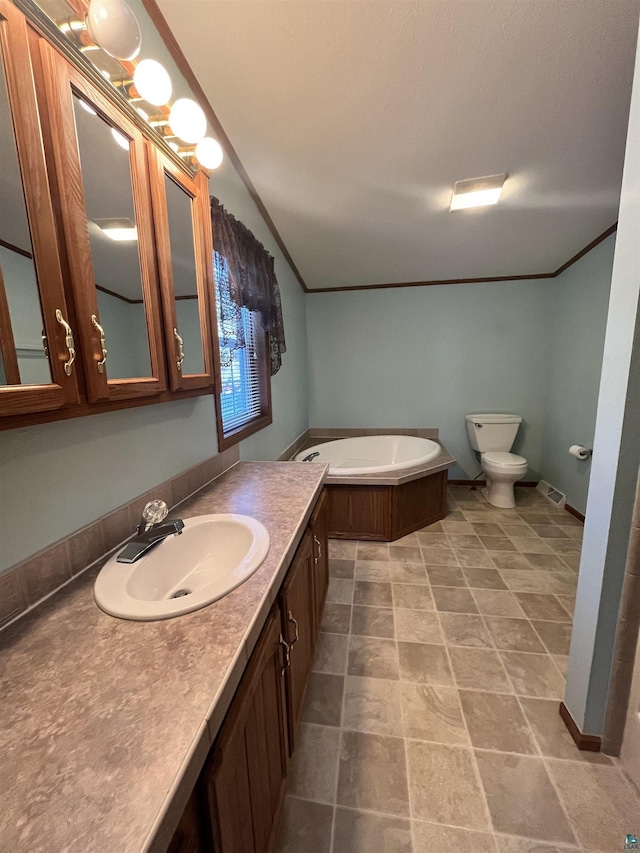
[(152, 82), (187, 120), (113, 26), (209, 153), (121, 230), (477, 192)]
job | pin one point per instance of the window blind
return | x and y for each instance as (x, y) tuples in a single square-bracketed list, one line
[(240, 395)]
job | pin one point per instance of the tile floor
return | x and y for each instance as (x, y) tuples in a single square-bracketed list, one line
[(431, 722)]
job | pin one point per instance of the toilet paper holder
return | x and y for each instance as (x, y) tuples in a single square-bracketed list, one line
[(580, 452)]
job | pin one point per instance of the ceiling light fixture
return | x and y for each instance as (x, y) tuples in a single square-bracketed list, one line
[(209, 153), (477, 192), (152, 82), (187, 120), (121, 230)]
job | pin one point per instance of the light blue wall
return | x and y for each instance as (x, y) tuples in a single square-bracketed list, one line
[(576, 327), (426, 356)]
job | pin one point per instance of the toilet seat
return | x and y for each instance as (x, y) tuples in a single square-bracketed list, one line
[(503, 460)]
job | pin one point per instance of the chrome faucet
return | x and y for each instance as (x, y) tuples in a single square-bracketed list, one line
[(311, 456), (151, 530)]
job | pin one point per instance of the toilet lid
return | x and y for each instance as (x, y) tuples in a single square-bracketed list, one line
[(497, 457)]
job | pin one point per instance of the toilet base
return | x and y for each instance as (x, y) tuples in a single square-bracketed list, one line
[(501, 495)]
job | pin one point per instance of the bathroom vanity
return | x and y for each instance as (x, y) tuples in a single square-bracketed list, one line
[(173, 735)]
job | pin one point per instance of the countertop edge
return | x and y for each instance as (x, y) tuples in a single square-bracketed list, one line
[(443, 461)]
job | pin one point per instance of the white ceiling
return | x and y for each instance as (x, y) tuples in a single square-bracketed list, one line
[(354, 118)]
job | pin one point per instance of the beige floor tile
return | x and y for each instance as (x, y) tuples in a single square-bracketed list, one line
[(406, 553), (568, 602), (514, 635), (342, 549), (373, 773), (478, 578), (314, 765), (336, 618), (479, 669), (340, 591), (439, 555), (551, 733), (456, 799), (527, 581), (373, 658), (363, 832), (372, 593), (430, 528), (465, 630), (453, 599), (572, 561), (562, 583), (549, 531), (408, 573), (342, 568), (555, 635), (562, 662), (600, 801), (372, 570), (424, 663), (511, 560), (367, 551), (513, 844), (457, 526), (518, 530), (468, 541), (432, 712), (541, 606), (435, 838), (417, 626), (446, 576), (372, 705), (304, 826), (495, 721), (550, 562), (475, 559), (496, 544), (521, 797), (427, 539), (487, 528), (409, 539), (531, 544), (533, 675), (565, 546), (497, 602), (323, 702), (331, 654), (412, 596), (372, 622)]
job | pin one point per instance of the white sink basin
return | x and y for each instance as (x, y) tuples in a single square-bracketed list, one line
[(213, 555)]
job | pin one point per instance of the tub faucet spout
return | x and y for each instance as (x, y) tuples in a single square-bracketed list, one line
[(311, 456)]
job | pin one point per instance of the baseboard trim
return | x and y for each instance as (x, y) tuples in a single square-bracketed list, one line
[(574, 512), (529, 484), (587, 743)]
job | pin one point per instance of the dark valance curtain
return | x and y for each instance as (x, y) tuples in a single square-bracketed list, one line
[(245, 278)]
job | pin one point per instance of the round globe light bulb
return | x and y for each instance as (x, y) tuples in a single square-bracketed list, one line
[(152, 82), (114, 27), (209, 153), (187, 120), (120, 138)]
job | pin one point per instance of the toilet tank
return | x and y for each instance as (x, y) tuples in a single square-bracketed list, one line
[(492, 432)]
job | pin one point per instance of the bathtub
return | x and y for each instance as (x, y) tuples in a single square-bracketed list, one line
[(373, 454)]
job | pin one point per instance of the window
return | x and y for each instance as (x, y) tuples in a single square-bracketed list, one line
[(244, 399)]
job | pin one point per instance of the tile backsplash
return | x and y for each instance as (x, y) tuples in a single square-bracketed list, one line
[(28, 582)]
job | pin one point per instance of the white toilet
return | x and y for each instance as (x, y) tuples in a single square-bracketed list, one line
[(493, 437)]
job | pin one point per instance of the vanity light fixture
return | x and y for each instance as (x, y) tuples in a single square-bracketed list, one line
[(113, 26), (188, 120), (121, 230), (152, 82), (477, 192), (209, 153), (87, 107)]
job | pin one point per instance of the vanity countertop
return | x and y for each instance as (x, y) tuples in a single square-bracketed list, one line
[(105, 723)]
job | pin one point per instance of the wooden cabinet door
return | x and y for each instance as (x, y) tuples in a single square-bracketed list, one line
[(101, 170), (184, 245), (188, 836), (319, 531), (298, 629), (37, 349), (244, 779)]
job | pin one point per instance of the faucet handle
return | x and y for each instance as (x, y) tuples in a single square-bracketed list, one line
[(153, 513)]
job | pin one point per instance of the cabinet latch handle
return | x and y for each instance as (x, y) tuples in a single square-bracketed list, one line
[(180, 358), (45, 343), (295, 625), (68, 340), (103, 343), (287, 655), (319, 544)]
